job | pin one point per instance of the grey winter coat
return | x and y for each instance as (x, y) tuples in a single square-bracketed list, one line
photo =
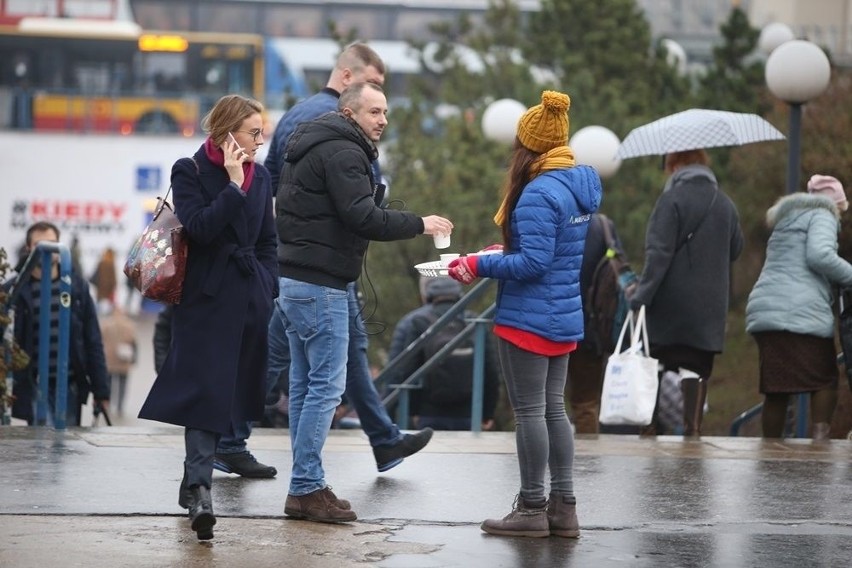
[(685, 281), (793, 292)]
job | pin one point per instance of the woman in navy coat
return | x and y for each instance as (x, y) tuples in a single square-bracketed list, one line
[(214, 373)]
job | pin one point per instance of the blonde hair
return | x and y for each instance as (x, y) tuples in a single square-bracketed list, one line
[(227, 115)]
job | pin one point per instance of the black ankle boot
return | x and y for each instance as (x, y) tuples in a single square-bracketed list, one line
[(184, 495), (201, 512)]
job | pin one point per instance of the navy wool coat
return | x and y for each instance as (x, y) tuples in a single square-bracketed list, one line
[(215, 371)]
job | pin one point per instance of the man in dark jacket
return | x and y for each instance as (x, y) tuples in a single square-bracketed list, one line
[(86, 363), (444, 401), (357, 63), (326, 214)]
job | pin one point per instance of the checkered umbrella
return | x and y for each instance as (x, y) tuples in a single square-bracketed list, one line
[(696, 128)]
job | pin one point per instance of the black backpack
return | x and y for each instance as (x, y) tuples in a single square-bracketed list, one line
[(607, 299), (450, 381)]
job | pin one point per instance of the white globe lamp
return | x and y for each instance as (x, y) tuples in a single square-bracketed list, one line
[(596, 146), (500, 120), (772, 36), (797, 71)]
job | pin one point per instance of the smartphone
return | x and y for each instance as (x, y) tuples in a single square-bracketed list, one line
[(234, 140)]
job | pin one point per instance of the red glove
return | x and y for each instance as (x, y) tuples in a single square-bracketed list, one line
[(463, 269)]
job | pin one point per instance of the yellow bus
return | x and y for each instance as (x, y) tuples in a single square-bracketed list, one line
[(108, 76)]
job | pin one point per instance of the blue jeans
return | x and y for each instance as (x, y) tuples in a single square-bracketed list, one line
[(535, 385), (318, 334), (360, 390)]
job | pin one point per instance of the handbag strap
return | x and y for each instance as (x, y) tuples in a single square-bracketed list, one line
[(628, 323), (691, 234), (640, 332), (164, 201)]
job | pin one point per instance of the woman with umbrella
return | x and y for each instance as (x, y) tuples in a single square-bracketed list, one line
[(692, 238)]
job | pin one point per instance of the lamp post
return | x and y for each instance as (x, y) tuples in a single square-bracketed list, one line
[(596, 146), (796, 72)]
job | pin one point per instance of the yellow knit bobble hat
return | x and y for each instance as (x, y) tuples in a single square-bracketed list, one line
[(545, 126)]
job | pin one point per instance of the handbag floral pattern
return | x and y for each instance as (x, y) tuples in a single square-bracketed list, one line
[(156, 265)]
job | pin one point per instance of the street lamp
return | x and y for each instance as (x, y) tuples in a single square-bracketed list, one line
[(596, 146), (772, 36), (796, 72), (500, 120)]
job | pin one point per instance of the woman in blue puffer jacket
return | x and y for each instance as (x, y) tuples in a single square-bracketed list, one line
[(789, 310), (539, 319)]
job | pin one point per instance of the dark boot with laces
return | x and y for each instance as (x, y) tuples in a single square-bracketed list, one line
[(562, 516), (388, 457), (243, 464), (524, 520), (321, 506)]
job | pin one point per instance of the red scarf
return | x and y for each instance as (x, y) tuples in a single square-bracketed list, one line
[(217, 156)]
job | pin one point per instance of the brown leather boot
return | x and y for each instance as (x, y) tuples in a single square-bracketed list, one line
[(821, 432), (320, 506), (522, 521), (562, 516), (694, 395), (585, 415)]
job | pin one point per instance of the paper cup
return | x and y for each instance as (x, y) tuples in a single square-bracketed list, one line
[(442, 241), (446, 259)]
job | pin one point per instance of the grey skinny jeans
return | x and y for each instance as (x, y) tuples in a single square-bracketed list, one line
[(535, 385)]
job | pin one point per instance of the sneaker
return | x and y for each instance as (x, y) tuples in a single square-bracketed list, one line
[(244, 464), (319, 506), (524, 520), (388, 457)]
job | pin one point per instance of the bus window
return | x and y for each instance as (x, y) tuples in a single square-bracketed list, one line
[(73, 75)]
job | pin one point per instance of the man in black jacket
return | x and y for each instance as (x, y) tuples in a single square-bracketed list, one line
[(326, 213), (86, 363)]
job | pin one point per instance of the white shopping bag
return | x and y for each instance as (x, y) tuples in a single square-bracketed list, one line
[(630, 382)]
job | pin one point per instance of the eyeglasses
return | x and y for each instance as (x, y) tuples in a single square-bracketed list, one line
[(255, 134)]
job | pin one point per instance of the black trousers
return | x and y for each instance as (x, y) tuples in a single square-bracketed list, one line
[(200, 451)]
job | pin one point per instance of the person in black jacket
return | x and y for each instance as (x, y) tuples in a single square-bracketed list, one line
[(86, 362), (327, 211)]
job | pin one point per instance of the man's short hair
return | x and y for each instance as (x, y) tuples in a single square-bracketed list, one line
[(40, 227), (358, 56), (351, 95)]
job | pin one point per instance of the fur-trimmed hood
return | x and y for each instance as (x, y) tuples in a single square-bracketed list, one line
[(798, 203)]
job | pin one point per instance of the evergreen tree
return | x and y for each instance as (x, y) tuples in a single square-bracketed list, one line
[(735, 79)]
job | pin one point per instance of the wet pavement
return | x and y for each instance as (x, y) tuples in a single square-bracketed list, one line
[(107, 497)]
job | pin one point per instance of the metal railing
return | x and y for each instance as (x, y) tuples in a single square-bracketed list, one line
[(400, 393), (45, 250), (797, 421)]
